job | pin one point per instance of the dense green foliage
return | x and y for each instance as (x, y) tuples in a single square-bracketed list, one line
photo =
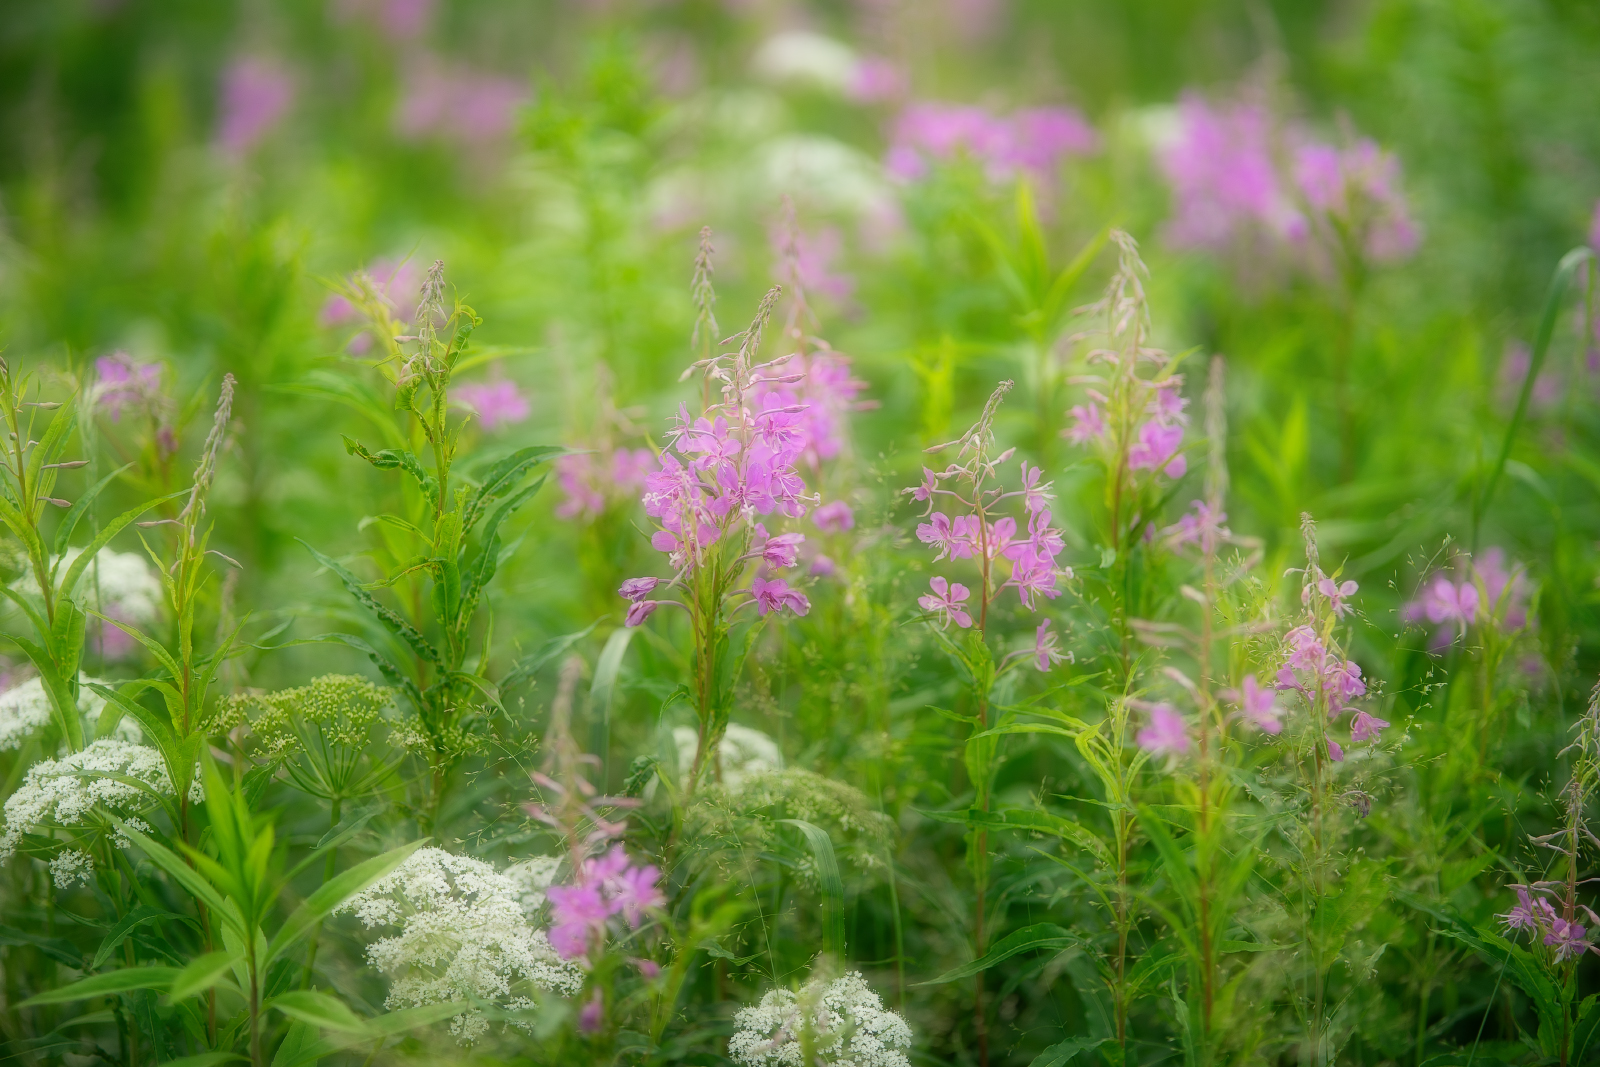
[(338, 338)]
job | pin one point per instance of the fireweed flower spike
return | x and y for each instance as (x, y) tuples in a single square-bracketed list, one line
[(946, 602)]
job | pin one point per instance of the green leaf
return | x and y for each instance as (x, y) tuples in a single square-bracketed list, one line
[(1058, 1055), (401, 628), (184, 875), (69, 522), (56, 948), (1040, 935), (69, 581), (530, 664), (201, 973), (318, 1009), (130, 922), (832, 886), (99, 985), (501, 478), (332, 894), (204, 1059), (396, 458)]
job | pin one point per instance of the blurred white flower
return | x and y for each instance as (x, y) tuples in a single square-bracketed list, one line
[(798, 56), (64, 792), (532, 877), (825, 173), (25, 707), (850, 1027), (744, 752), (463, 934)]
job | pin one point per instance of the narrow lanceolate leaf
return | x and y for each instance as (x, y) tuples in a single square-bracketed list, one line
[(390, 618), (132, 921), (183, 874), (318, 1009), (75, 570), (501, 478), (832, 886), (1063, 1053), (334, 893), (56, 948), (100, 985), (393, 459), (80, 507), (530, 664), (1040, 935), (201, 974)]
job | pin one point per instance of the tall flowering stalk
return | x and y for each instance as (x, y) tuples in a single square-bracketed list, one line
[(451, 537), (1133, 422), (723, 474), (983, 532)]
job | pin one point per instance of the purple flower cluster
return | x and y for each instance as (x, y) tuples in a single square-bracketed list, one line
[(1536, 914), (1234, 173), (444, 102), (734, 462), (1165, 733), (121, 381), (820, 391), (398, 283), (1312, 668), (498, 402), (256, 94), (1488, 590), (1155, 442), (1033, 140), (805, 260), (604, 887), (590, 482)]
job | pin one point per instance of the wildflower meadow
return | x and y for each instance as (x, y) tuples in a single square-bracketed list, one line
[(780, 533)]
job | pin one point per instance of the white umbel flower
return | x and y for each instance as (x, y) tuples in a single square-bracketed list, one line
[(129, 588), (744, 752), (532, 878), (809, 58), (65, 791), (25, 708), (463, 933), (71, 867), (850, 1027)]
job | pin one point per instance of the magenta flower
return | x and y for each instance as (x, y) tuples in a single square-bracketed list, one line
[(1568, 939), (648, 968), (776, 595), (575, 912), (1166, 733), (1343, 683), (458, 105), (1087, 424), (875, 80), (834, 517), (592, 1016), (1157, 449), (823, 567), (639, 611), (1335, 753), (1203, 526), (1045, 647), (1365, 727), (1359, 186), (494, 402), (636, 589), (1306, 652), (1035, 140), (1257, 704), (256, 94), (938, 533), (1224, 178), (781, 551), (1337, 594), (120, 382), (945, 601), (811, 267), (637, 892), (930, 485), (1032, 575), (1035, 497), (1529, 913)]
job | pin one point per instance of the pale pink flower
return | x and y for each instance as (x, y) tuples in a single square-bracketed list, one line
[(1366, 727), (1568, 939), (636, 589), (1335, 753), (1337, 594), (1046, 650), (1529, 913), (639, 611), (782, 550), (1157, 449), (256, 94), (1166, 734), (834, 517), (495, 402), (1087, 424), (946, 601), (776, 595), (122, 382), (1257, 704)]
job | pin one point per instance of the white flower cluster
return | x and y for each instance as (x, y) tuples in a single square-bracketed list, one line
[(532, 877), (743, 752), (71, 867), (65, 791), (25, 707), (463, 932), (850, 1027)]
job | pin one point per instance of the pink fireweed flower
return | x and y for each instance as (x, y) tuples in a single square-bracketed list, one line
[(1046, 650), (637, 892), (823, 567), (1087, 424), (1036, 140), (1306, 651), (576, 911), (1257, 705), (946, 602), (1224, 177), (495, 403), (1343, 684), (1166, 733), (1032, 575), (875, 80), (1337, 594), (454, 104), (1359, 184), (1529, 913), (1043, 541), (636, 589), (1335, 753), (648, 968), (1157, 449), (1366, 727), (1035, 497), (782, 550), (121, 382), (937, 532), (1168, 404), (929, 486), (776, 595), (811, 265), (1568, 939), (592, 1016), (639, 611), (1204, 527), (834, 517), (256, 94)]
